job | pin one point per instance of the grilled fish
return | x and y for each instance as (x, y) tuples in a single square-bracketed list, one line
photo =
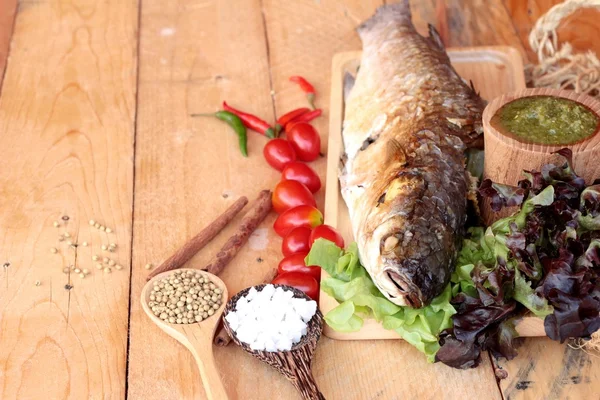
[(408, 120)]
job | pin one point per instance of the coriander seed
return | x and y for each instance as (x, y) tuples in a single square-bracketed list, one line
[(82, 275), (148, 266), (118, 267), (67, 235), (56, 224), (53, 250), (99, 266), (86, 271), (77, 270), (96, 225), (84, 244), (107, 270), (104, 247), (105, 260), (38, 283), (92, 222), (112, 263), (108, 230), (102, 228), (95, 258)]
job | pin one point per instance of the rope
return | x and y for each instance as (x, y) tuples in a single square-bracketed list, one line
[(557, 66)]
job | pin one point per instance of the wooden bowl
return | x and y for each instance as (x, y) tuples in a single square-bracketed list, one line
[(294, 364), (507, 157)]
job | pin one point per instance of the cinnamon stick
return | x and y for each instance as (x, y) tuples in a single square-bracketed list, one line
[(196, 243), (258, 212), (222, 338)]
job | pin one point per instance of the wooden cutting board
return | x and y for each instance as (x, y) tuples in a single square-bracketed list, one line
[(493, 71)]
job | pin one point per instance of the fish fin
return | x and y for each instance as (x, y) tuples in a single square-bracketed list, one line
[(395, 152), (349, 80), (396, 12), (435, 37)]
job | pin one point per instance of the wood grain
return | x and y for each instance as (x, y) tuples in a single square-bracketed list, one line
[(194, 55), (8, 9), (469, 22), (66, 117), (580, 29), (548, 370)]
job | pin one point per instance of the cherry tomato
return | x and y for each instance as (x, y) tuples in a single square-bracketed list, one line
[(296, 241), (307, 216), (295, 263), (278, 153), (305, 140), (326, 232), (290, 194), (298, 171), (300, 281)]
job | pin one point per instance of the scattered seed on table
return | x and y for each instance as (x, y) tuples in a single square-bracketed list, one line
[(67, 235), (108, 230), (86, 271), (148, 266), (66, 270), (119, 267), (99, 266), (69, 243), (112, 263), (105, 260), (82, 275), (61, 238), (56, 224), (72, 267), (84, 244), (113, 245), (38, 283), (96, 225), (102, 228), (107, 270), (77, 270), (53, 250), (104, 247), (92, 222)]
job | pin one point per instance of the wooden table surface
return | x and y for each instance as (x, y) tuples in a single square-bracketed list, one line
[(94, 124)]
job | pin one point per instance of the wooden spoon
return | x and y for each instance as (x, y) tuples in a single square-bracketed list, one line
[(197, 337), (294, 364)]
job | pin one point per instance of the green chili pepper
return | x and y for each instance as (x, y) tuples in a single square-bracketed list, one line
[(236, 124)]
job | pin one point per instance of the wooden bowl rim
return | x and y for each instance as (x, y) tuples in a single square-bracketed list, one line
[(314, 326), (213, 278), (585, 145)]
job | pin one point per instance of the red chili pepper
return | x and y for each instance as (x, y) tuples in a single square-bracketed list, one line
[(287, 117), (306, 88), (252, 121), (307, 117)]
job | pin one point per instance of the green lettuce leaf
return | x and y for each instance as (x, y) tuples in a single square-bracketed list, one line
[(525, 295), (359, 298)]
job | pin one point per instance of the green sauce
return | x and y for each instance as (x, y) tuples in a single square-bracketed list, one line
[(546, 120)]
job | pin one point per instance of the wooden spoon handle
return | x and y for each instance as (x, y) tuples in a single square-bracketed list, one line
[(304, 381), (298, 367), (202, 349)]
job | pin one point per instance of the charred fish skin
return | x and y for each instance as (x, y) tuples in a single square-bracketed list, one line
[(408, 120)]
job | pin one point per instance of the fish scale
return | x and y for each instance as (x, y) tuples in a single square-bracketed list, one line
[(409, 118)]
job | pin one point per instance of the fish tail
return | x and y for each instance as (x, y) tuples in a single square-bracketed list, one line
[(397, 13)]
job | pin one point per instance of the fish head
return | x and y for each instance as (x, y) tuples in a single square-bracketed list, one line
[(408, 250)]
